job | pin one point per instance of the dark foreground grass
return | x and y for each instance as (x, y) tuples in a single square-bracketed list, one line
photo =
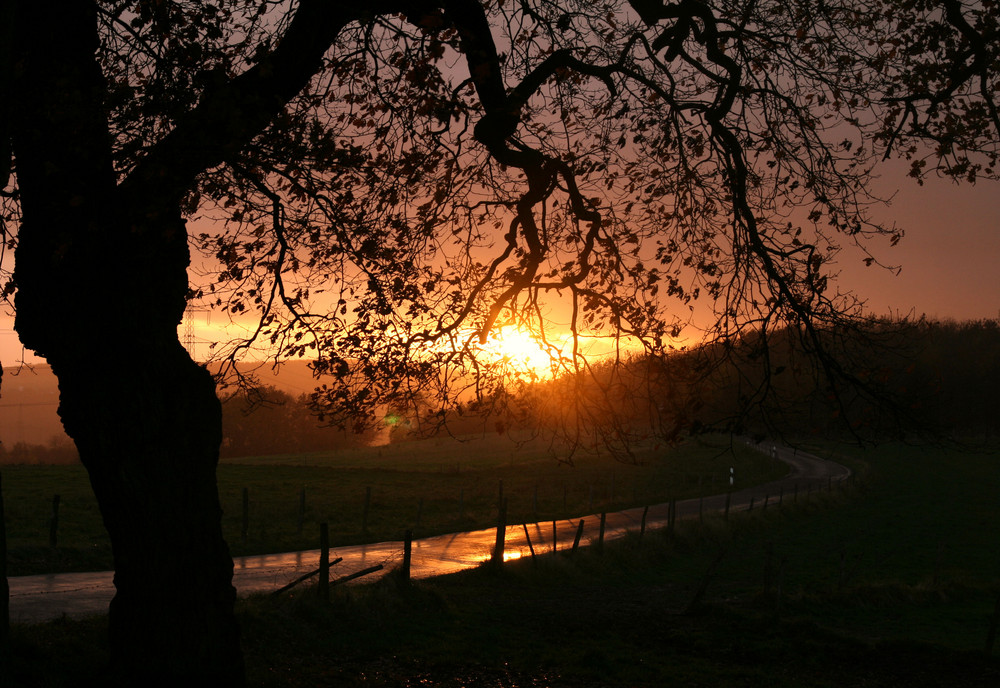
[(617, 620), (573, 623), (890, 583)]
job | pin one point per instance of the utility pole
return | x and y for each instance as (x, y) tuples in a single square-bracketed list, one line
[(188, 339)]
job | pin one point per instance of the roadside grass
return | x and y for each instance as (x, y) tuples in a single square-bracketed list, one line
[(914, 555), (430, 487), (909, 553)]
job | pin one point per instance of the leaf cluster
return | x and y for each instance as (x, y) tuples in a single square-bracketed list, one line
[(379, 189)]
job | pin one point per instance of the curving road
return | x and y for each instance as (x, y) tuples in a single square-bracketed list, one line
[(39, 598)]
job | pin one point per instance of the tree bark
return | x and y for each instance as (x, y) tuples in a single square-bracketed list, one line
[(102, 284), (148, 429)]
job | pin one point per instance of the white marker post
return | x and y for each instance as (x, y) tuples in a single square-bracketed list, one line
[(731, 475)]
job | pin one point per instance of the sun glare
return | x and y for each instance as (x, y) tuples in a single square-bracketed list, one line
[(523, 352)]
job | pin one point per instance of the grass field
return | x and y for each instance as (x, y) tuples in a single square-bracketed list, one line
[(431, 487), (892, 582)]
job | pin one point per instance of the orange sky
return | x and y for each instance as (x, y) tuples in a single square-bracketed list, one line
[(950, 257)]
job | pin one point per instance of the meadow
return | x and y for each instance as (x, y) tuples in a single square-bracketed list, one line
[(892, 581), (430, 487)]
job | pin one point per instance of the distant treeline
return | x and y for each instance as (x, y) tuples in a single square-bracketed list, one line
[(60, 450), (919, 378), (266, 421), (270, 421), (894, 379)]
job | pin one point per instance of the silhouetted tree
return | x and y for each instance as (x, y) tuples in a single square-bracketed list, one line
[(392, 181)]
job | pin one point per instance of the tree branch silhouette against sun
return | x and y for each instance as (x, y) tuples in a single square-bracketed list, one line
[(388, 187)]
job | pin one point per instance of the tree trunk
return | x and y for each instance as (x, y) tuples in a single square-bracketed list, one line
[(102, 282), (148, 429)]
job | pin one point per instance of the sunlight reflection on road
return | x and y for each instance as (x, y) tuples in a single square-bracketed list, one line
[(38, 598)]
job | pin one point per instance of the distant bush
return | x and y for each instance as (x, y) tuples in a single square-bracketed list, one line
[(270, 421)]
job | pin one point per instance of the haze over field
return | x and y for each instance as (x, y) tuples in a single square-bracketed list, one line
[(29, 399)]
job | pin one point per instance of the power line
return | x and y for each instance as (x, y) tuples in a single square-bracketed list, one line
[(31, 403), (188, 340)]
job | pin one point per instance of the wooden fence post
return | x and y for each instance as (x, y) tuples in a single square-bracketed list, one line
[(301, 579), (768, 567), (555, 543), (579, 534), (528, 538), (323, 589), (600, 536), (356, 574), (364, 511), (54, 521), (498, 547), (245, 530), (302, 509), (729, 498), (407, 553), (642, 527)]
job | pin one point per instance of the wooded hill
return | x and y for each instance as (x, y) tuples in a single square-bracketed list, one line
[(897, 379)]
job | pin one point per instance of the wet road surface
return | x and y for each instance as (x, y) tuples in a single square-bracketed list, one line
[(49, 596)]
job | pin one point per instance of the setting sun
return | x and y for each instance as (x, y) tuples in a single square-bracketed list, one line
[(524, 352)]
